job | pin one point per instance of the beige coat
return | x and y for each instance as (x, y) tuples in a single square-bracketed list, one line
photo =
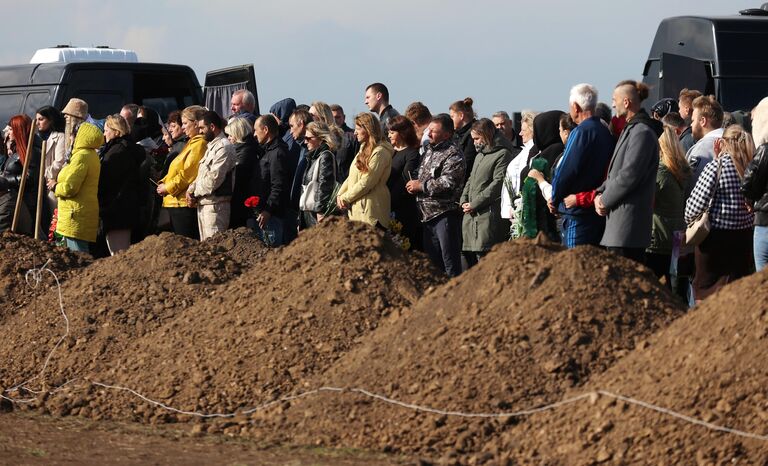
[(367, 193)]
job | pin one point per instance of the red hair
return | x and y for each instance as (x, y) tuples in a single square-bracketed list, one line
[(21, 125)]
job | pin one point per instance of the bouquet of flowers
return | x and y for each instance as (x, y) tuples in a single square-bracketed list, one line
[(395, 232)]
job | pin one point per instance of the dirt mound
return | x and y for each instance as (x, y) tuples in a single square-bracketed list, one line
[(518, 330), (19, 254), (708, 365), (251, 340), (110, 304), (241, 244)]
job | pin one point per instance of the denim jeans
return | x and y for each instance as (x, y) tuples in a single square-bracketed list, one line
[(76, 245), (442, 242), (273, 232), (760, 247)]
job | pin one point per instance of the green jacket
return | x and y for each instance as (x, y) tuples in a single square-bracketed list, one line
[(668, 211), (77, 187), (484, 227)]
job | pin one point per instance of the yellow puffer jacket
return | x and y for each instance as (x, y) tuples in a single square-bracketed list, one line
[(77, 187), (367, 193), (183, 171)]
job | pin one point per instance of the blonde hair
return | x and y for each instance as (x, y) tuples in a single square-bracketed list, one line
[(760, 122), (239, 128), (738, 144), (325, 115), (527, 117), (321, 130), (193, 113), (117, 124), (672, 155), (371, 126)]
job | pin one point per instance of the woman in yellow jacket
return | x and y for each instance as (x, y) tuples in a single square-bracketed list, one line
[(365, 193), (76, 189), (181, 173)]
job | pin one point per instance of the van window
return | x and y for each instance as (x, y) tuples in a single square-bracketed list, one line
[(102, 104), (163, 92), (10, 105), (35, 100)]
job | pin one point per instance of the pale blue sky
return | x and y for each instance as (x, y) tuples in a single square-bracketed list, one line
[(506, 55)]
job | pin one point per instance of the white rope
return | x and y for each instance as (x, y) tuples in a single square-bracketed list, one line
[(36, 275), (684, 417)]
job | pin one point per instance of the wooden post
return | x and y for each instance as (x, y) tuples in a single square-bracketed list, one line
[(40, 191), (23, 183)]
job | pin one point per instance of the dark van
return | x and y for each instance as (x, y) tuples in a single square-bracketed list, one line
[(724, 56), (108, 85)]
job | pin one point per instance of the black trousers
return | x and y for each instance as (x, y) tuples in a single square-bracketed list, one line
[(184, 221), (636, 254)]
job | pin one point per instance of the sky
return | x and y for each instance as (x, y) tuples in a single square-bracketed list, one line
[(506, 55)]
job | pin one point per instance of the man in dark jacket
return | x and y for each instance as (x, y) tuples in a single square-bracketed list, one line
[(437, 190), (377, 100), (277, 168), (582, 169), (626, 196)]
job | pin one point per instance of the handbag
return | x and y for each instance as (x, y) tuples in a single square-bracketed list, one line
[(698, 230), (308, 199)]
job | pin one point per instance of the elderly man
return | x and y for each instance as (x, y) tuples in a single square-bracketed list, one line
[(582, 169), (211, 191), (626, 196), (504, 124), (437, 190), (243, 104)]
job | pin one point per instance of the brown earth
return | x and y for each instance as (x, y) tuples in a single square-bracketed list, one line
[(110, 304), (517, 331), (709, 365), (41, 440), (225, 325), (247, 340), (18, 255)]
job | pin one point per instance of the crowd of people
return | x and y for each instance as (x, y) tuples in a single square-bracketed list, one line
[(450, 184)]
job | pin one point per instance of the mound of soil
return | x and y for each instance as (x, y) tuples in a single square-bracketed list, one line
[(241, 244), (110, 304), (708, 365), (528, 323), (251, 340), (19, 254)]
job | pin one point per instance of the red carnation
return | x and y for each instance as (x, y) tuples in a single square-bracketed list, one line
[(252, 201)]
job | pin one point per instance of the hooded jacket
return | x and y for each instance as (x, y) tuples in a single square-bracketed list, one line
[(77, 187), (484, 227)]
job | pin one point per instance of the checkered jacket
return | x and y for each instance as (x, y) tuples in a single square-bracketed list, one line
[(729, 210)]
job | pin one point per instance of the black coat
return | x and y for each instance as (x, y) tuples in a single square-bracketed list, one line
[(405, 167), (119, 184), (246, 180), (463, 137), (755, 184), (277, 168)]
